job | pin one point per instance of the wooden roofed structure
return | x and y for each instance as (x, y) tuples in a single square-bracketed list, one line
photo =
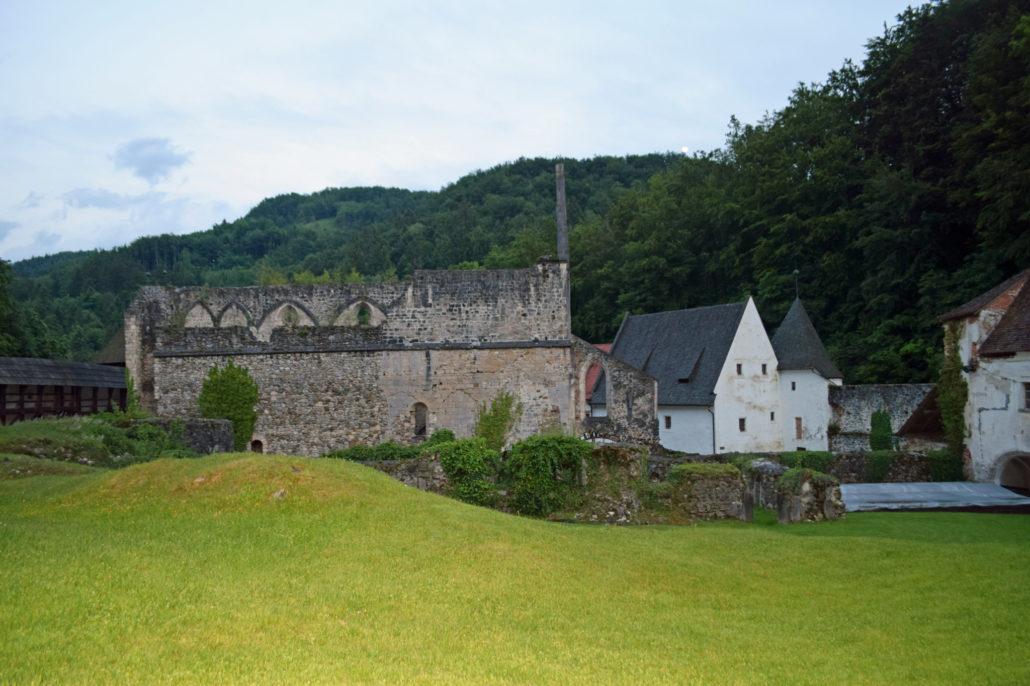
[(32, 388)]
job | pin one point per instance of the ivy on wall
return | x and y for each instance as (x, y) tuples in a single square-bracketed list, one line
[(231, 393), (952, 390)]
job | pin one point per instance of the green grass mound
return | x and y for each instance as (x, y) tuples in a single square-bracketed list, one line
[(240, 482), (194, 571)]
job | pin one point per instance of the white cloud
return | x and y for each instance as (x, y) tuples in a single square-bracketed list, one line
[(151, 159)]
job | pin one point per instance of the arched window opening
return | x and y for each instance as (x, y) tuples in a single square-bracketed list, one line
[(364, 315), (257, 446), (1015, 475), (420, 412)]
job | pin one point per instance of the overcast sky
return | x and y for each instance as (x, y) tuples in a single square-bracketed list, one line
[(124, 119)]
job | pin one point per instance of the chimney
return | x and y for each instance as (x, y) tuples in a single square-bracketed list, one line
[(563, 220)]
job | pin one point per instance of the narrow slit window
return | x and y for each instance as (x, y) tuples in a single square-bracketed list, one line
[(742, 423), (764, 369), (419, 415), (668, 422), (798, 428), (740, 369)]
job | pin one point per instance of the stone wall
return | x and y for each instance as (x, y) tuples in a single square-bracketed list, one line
[(853, 407), (346, 364), (850, 468), (206, 436), (635, 418), (311, 403), (424, 473)]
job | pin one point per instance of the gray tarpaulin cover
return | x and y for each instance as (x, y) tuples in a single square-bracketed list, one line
[(864, 497)]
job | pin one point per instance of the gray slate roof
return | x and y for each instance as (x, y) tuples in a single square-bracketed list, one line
[(797, 345), (35, 372), (683, 344)]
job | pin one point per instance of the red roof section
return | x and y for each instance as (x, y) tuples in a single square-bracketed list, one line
[(595, 369), (984, 299), (1012, 334)]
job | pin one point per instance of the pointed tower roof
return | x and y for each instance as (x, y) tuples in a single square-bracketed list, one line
[(798, 346)]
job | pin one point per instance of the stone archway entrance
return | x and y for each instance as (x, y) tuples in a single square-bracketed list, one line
[(1015, 474)]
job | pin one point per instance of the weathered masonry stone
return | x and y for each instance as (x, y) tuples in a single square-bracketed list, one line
[(346, 364), (853, 408)]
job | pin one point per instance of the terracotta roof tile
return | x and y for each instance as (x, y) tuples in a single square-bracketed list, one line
[(981, 301), (1012, 334)]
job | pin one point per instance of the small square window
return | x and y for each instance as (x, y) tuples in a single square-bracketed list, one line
[(740, 369), (668, 422), (764, 369), (742, 423)]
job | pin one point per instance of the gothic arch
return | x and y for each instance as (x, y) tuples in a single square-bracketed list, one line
[(233, 314), (360, 312), (1012, 471), (198, 316), (288, 313)]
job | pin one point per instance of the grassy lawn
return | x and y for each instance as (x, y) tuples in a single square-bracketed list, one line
[(193, 571)]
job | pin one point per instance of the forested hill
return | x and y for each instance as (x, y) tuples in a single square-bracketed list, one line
[(897, 189), (71, 303)]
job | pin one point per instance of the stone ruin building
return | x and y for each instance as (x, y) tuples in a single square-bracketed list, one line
[(345, 364)]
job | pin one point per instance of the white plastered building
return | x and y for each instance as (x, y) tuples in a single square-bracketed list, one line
[(723, 386), (994, 345)]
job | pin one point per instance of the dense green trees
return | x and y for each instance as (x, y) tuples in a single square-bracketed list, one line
[(897, 189)]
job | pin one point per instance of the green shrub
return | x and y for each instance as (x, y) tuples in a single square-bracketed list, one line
[(817, 460), (542, 472), (231, 393), (880, 435), (878, 463), (377, 453), (742, 461), (685, 470), (440, 436), (493, 424), (790, 481), (945, 465), (469, 465), (396, 451), (356, 453)]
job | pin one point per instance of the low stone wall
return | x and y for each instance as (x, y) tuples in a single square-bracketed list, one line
[(813, 498), (710, 496), (424, 473), (206, 436), (851, 468)]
